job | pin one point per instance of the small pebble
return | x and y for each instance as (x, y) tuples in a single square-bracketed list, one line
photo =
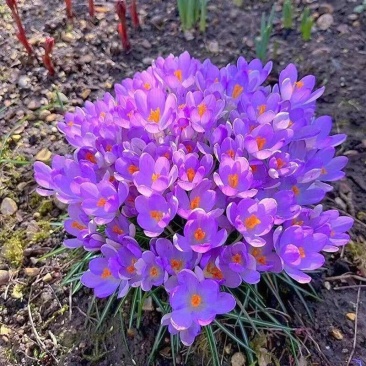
[(351, 316), (325, 21), (238, 359), (31, 271), (47, 278), (44, 155), (4, 277), (8, 206)]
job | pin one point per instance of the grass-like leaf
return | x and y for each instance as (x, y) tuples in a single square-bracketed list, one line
[(212, 344)]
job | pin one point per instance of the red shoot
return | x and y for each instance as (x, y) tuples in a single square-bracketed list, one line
[(122, 27), (91, 8), (68, 9), (47, 61), (12, 4), (134, 14), (124, 38)]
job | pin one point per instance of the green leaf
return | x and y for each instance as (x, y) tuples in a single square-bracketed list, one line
[(212, 344)]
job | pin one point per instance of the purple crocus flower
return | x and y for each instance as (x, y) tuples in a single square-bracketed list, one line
[(150, 268), (119, 227), (252, 218), (155, 213), (234, 178), (103, 200), (299, 250), (265, 256), (123, 257), (200, 197), (235, 260), (100, 278), (173, 260), (280, 165), (154, 176), (204, 110), (263, 141), (195, 300), (177, 72), (76, 225), (191, 170), (200, 233), (155, 110)]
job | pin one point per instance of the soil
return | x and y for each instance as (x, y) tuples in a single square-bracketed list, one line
[(41, 322)]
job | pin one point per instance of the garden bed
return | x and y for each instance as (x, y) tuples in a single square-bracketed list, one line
[(41, 323)]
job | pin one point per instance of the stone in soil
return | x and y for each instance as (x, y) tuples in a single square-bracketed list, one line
[(238, 359), (8, 206), (324, 21), (4, 277), (44, 155)]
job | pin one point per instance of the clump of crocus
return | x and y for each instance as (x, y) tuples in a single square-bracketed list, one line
[(199, 179), (122, 26), (91, 8), (134, 14), (47, 60), (69, 13), (12, 4)]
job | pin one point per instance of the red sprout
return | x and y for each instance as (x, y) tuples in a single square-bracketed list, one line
[(47, 61), (91, 8), (122, 27), (12, 4), (68, 9), (134, 14)]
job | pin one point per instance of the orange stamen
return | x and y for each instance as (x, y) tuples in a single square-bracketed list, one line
[(261, 141), (154, 271), (155, 177), (233, 180), (231, 153), (132, 169), (178, 75), (146, 86), (295, 190), (302, 252), (154, 115), (117, 230), (77, 225), (101, 202), (261, 109), (280, 163), (299, 84), (251, 222), (176, 264), (202, 108), (89, 156), (156, 215), (70, 123), (191, 174), (106, 273), (195, 202), (196, 300), (199, 234), (324, 171), (237, 258), (262, 260), (238, 89)]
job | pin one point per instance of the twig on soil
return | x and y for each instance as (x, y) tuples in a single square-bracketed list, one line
[(34, 330), (344, 277), (356, 325), (349, 287)]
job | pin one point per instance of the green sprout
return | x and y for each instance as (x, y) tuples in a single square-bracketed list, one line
[(191, 12), (307, 22), (287, 14), (261, 42)]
